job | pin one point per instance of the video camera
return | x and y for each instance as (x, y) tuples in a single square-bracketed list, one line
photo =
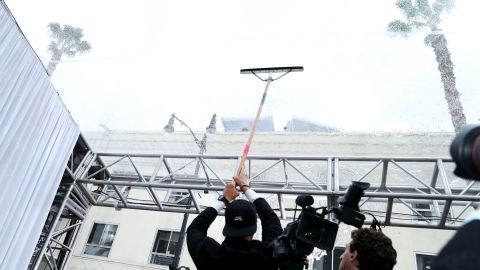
[(312, 229), (465, 151)]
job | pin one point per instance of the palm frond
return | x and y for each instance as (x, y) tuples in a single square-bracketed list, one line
[(408, 9), (419, 25), (438, 7), (55, 30), (70, 34), (434, 20), (399, 27), (54, 26), (68, 39), (447, 4), (79, 47), (424, 8), (53, 47), (84, 46), (70, 52)]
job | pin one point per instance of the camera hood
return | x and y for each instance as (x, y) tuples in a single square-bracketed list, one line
[(354, 194)]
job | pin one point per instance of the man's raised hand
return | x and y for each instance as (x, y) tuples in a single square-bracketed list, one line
[(230, 192)]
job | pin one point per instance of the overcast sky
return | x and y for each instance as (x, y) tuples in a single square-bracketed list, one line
[(152, 58)]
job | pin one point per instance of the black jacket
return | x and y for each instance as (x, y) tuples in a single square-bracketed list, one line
[(462, 252), (233, 253)]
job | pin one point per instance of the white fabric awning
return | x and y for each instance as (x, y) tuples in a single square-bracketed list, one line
[(37, 135)]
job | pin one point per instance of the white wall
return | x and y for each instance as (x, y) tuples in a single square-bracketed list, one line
[(133, 241), (137, 230)]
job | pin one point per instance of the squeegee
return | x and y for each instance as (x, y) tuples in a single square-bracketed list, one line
[(256, 72)]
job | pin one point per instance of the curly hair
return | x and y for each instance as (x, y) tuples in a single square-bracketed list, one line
[(374, 249)]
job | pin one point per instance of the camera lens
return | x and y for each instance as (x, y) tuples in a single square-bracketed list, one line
[(465, 151)]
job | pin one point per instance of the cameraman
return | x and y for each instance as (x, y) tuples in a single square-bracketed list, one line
[(462, 252), (238, 250), (369, 250)]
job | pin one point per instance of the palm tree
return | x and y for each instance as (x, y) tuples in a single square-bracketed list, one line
[(423, 15), (66, 40)]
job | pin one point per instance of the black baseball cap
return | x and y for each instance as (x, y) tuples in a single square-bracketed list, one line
[(240, 219)]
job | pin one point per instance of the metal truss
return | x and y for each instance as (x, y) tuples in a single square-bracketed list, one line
[(405, 192), (65, 219)]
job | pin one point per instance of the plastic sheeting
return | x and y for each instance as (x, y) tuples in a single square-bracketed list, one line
[(37, 135)]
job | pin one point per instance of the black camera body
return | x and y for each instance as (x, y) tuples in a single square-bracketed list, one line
[(316, 231), (312, 229), (302, 235)]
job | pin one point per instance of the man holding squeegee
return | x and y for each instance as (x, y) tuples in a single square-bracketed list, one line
[(238, 250)]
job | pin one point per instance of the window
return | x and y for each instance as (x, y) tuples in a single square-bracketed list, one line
[(424, 261), (424, 209), (101, 239), (179, 197), (337, 252), (331, 260), (430, 212), (165, 247)]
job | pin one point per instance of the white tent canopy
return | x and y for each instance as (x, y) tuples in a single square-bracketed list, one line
[(37, 134)]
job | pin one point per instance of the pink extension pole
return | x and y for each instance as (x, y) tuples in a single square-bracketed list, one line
[(255, 71), (252, 130)]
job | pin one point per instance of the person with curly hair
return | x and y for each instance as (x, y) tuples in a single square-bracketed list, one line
[(369, 250)]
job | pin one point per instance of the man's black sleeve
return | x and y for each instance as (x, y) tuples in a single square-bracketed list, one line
[(199, 245), (462, 252), (271, 227)]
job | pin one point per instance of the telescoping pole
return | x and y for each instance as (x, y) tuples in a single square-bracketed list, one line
[(254, 126), (255, 71)]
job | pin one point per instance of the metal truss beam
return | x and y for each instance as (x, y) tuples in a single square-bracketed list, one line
[(107, 179), (72, 202), (396, 183)]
